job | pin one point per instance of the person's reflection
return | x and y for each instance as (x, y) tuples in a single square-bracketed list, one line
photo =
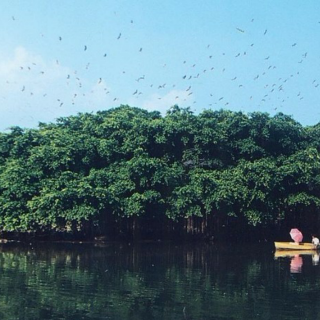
[(296, 264), (315, 259)]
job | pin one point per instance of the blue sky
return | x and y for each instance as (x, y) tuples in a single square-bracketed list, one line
[(59, 58)]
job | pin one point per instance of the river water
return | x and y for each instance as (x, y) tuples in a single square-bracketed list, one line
[(154, 281)]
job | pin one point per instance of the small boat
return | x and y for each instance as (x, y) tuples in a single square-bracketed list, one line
[(294, 246)]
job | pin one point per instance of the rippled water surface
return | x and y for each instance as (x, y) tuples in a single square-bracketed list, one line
[(156, 281)]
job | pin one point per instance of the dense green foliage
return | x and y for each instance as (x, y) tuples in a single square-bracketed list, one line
[(130, 171)]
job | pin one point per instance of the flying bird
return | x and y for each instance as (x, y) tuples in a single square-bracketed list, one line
[(140, 78), (240, 30), (119, 36), (85, 48)]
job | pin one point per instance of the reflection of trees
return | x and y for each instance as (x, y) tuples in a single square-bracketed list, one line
[(151, 281)]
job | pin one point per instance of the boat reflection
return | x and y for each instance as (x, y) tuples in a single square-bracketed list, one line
[(296, 260)]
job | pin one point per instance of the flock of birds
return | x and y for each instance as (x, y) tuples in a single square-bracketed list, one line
[(267, 85)]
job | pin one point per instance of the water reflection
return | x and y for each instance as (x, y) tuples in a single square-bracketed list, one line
[(296, 264), (315, 259), (153, 281), (297, 258)]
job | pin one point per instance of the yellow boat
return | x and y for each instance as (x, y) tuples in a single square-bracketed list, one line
[(294, 246)]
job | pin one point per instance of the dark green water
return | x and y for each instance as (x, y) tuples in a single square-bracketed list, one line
[(156, 281)]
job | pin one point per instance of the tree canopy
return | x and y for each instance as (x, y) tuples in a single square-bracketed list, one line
[(127, 171)]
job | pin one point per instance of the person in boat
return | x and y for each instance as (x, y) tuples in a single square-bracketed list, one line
[(315, 241)]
